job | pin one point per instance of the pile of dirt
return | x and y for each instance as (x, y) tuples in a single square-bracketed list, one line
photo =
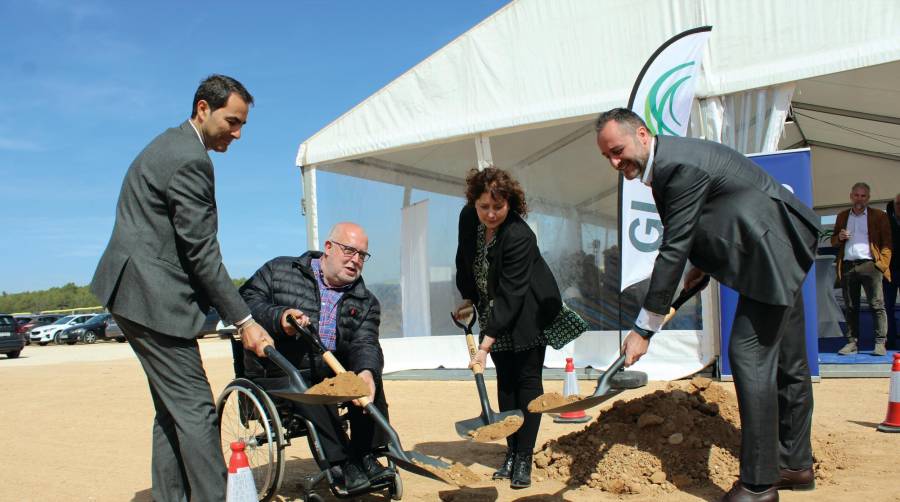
[(686, 436), (455, 474), (343, 384), (497, 430)]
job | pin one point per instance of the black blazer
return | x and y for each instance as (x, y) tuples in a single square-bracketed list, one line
[(526, 297), (162, 267), (731, 219)]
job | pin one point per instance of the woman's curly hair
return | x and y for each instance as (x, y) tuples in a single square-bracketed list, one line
[(500, 185)]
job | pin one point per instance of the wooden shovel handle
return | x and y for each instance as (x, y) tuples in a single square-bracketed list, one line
[(338, 368), (470, 341)]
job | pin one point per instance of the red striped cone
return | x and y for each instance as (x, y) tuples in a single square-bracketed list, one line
[(570, 387), (892, 421), (241, 486)]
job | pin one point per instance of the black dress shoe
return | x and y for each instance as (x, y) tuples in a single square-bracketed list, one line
[(506, 468), (374, 470), (802, 480), (521, 475), (740, 493), (354, 477)]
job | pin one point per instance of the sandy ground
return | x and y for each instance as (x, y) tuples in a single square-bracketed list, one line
[(78, 418)]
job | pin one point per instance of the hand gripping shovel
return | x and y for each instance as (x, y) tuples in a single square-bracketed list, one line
[(414, 462), (490, 425), (605, 389)]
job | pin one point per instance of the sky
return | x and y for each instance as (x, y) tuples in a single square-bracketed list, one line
[(85, 85)]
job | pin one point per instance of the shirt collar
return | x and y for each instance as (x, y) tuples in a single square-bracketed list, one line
[(198, 133), (864, 213), (647, 178)]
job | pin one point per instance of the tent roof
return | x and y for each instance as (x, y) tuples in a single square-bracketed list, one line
[(534, 74)]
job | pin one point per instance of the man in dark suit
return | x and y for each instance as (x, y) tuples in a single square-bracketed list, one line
[(862, 235), (890, 286), (159, 275), (733, 221)]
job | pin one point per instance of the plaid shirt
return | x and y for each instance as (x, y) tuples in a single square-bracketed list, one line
[(328, 309)]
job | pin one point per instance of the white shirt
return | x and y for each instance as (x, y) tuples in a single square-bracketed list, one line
[(857, 246), (647, 178)]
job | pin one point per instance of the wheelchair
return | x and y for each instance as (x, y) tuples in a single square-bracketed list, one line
[(267, 426)]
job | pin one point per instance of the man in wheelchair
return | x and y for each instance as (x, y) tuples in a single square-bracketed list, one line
[(325, 292)]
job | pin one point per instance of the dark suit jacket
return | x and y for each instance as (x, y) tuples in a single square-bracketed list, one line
[(880, 243), (894, 220), (731, 219), (162, 267), (526, 297)]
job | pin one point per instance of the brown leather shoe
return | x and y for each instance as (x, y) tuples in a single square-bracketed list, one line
[(739, 493), (802, 480)]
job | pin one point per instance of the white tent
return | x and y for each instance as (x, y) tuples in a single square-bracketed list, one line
[(520, 90)]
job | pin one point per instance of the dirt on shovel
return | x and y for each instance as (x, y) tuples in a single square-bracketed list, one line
[(551, 400), (456, 474), (344, 384), (496, 430)]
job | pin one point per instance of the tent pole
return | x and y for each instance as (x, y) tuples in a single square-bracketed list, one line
[(483, 152), (310, 206)]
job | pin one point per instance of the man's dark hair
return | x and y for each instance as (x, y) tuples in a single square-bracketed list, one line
[(861, 184), (620, 116), (215, 90)]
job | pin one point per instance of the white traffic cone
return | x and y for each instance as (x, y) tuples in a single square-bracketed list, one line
[(892, 421), (241, 486), (570, 387)]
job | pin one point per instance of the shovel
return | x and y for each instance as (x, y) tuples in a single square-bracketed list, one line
[(605, 389), (414, 462), (490, 425)]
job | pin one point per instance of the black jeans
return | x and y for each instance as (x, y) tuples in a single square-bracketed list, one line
[(519, 380), (890, 301), (866, 275), (774, 389)]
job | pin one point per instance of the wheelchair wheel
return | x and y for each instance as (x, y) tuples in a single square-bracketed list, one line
[(247, 414), (396, 488)]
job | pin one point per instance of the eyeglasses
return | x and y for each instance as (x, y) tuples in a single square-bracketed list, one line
[(349, 251)]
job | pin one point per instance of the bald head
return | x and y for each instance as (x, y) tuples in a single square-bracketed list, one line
[(344, 254)]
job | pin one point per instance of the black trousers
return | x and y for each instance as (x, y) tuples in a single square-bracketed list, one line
[(774, 390), (890, 300), (519, 380), (187, 460)]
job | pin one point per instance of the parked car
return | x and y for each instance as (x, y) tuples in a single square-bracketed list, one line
[(209, 325), (11, 343), (50, 333), (88, 332), (113, 331), (34, 321)]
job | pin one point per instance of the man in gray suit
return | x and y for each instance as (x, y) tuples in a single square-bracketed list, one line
[(733, 221), (159, 275)]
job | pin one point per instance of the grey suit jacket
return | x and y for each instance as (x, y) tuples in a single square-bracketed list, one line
[(731, 219), (162, 267)]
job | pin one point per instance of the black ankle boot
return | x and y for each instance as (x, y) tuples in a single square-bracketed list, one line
[(505, 470), (521, 474)]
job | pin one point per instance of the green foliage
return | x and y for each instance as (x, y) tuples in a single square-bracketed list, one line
[(69, 296)]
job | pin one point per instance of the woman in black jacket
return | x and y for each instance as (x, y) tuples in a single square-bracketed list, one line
[(500, 271)]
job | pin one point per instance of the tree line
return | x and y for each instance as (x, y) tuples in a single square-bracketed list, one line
[(64, 297)]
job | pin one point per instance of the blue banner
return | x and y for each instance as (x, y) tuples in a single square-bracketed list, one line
[(794, 170)]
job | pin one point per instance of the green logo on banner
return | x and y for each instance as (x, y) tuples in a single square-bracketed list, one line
[(659, 99)]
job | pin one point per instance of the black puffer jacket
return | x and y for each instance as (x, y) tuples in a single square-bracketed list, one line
[(288, 282)]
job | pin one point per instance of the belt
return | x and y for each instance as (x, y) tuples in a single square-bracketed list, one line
[(856, 262)]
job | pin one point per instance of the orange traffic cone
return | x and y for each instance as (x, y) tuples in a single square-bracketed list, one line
[(241, 486), (570, 387), (892, 422)]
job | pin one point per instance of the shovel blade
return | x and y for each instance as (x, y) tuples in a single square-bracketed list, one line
[(469, 429), (423, 465), (302, 397), (583, 404)]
